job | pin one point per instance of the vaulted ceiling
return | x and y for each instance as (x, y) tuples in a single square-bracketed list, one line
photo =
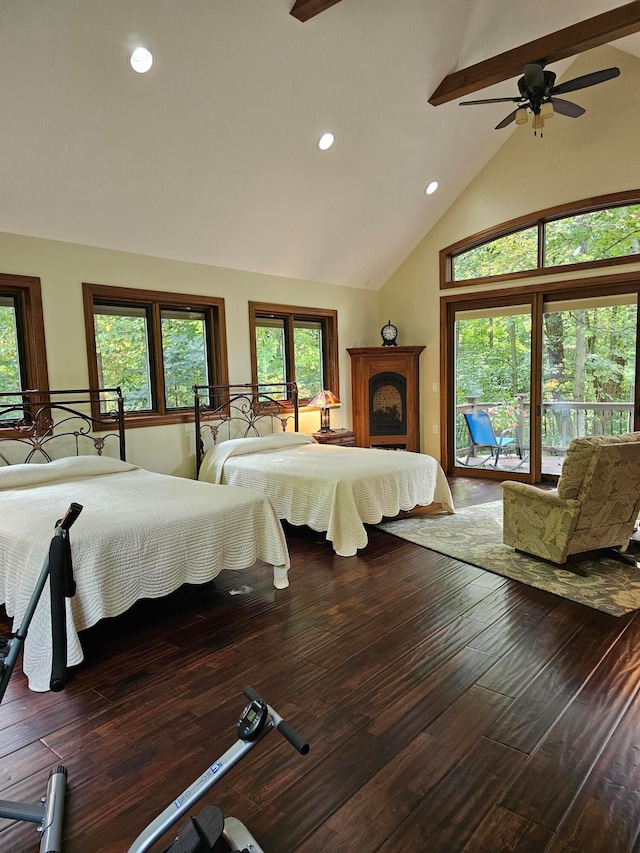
[(211, 157)]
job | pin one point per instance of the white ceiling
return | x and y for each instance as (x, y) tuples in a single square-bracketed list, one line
[(212, 158)]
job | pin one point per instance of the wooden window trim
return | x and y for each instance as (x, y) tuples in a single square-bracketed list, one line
[(30, 332), (551, 214), (153, 301), (329, 319)]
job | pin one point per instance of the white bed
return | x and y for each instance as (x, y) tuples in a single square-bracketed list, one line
[(329, 488), (140, 535)]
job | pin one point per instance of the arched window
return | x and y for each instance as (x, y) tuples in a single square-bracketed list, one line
[(587, 233)]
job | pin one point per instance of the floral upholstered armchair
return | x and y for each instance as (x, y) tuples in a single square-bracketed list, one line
[(595, 506)]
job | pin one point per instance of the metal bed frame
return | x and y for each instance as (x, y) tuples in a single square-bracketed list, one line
[(34, 419), (239, 411)]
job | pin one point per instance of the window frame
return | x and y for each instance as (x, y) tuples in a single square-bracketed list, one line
[(153, 302), (27, 293), (327, 317), (539, 220)]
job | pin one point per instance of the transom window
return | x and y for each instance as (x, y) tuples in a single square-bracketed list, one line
[(598, 235), (290, 344), (575, 235), (511, 253), (155, 346)]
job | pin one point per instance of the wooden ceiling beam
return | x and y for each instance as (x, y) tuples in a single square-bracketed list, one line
[(602, 29), (305, 9)]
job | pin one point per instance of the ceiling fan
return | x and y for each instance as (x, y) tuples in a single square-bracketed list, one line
[(538, 94)]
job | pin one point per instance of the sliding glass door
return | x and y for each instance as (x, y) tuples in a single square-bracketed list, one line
[(588, 371), (534, 372), (492, 380)]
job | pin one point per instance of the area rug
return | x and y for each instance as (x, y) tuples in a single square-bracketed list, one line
[(474, 535)]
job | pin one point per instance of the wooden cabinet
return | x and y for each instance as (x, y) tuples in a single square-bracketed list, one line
[(337, 436), (385, 396)]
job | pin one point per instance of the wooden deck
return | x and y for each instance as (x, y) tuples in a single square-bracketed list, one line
[(448, 709), (551, 463)]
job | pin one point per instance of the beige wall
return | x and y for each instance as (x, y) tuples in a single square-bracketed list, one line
[(595, 154), (62, 267)]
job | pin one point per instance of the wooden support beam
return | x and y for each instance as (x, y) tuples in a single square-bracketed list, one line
[(602, 29), (305, 9)]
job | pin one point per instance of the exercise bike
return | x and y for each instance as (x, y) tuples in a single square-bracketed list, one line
[(200, 833), (58, 569)]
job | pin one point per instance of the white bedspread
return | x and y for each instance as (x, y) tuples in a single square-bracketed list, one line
[(328, 487), (140, 535)]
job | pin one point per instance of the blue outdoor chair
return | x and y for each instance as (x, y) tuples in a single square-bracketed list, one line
[(481, 434)]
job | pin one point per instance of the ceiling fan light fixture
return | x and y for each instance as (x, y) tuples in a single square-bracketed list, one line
[(538, 122), (522, 117), (546, 110)]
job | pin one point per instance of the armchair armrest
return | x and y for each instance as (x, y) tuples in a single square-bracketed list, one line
[(526, 492), (537, 521)]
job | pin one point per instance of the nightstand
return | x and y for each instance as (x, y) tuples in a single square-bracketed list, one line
[(336, 436)]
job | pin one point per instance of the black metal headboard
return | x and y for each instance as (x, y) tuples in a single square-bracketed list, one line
[(239, 411), (33, 422)]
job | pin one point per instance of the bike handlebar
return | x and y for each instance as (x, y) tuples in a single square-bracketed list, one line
[(287, 732), (70, 516)]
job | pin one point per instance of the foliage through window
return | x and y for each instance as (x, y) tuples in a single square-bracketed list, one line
[(10, 368), (22, 350), (594, 236), (493, 361), (294, 345), (184, 353), (589, 353), (511, 253), (154, 346), (608, 232), (123, 355)]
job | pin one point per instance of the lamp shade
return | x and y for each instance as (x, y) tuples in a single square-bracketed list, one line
[(546, 110), (538, 122), (324, 400)]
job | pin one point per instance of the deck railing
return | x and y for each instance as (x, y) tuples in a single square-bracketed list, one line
[(562, 421)]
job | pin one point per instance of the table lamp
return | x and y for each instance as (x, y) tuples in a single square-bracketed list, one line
[(324, 400)]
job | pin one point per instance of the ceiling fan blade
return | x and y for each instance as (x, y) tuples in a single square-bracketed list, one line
[(507, 120), (490, 101), (534, 76), (567, 108), (586, 80)]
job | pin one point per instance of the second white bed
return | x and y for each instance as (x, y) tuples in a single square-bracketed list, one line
[(332, 489)]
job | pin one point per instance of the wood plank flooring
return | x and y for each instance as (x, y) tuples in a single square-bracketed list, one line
[(448, 709)]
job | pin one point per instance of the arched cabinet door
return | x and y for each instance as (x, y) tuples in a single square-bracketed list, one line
[(385, 398)]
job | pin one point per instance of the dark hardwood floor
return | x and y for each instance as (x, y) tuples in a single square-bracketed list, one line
[(447, 708)]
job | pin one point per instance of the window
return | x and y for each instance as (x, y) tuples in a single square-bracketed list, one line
[(512, 253), (155, 346), (23, 362), (290, 344), (10, 358), (587, 233), (598, 235)]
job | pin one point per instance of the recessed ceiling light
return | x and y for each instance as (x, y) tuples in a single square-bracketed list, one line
[(141, 60), (326, 141), (431, 188)]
